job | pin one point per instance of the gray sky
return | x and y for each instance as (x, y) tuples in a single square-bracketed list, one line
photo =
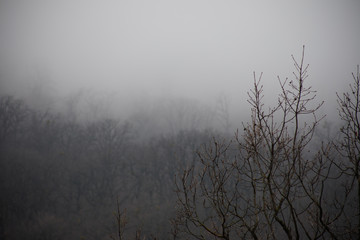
[(197, 49)]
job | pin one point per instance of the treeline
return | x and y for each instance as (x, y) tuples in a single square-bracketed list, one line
[(278, 177), (62, 179)]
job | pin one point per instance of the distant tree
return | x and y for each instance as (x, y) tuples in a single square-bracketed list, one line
[(108, 140), (13, 113), (222, 113)]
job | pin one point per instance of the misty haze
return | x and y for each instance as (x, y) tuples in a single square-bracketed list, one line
[(159, 119)]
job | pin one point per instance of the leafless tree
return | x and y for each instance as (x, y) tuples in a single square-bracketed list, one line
[(274, 185), (121, 221), (349, 148)]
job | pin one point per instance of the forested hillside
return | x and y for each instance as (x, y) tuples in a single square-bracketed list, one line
[(61, 179), (280, 176)]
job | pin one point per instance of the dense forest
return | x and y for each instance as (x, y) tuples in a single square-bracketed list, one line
[(280, 176)]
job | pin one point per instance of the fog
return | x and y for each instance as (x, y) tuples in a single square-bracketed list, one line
[(130, 119), (141, 51)]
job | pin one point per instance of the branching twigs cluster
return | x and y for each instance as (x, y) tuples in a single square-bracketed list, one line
[(274, 146), (204, 194)]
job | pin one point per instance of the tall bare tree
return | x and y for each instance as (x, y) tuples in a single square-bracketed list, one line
[(349, 148), (274, 186)]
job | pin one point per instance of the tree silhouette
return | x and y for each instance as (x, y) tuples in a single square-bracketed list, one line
[(269, 183)]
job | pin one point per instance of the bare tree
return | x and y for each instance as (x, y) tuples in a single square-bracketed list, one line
[(121, 221), (349, 148), (204, 195), (273, 187)]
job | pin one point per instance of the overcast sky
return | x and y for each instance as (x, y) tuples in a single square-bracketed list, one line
[(197, 49)]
